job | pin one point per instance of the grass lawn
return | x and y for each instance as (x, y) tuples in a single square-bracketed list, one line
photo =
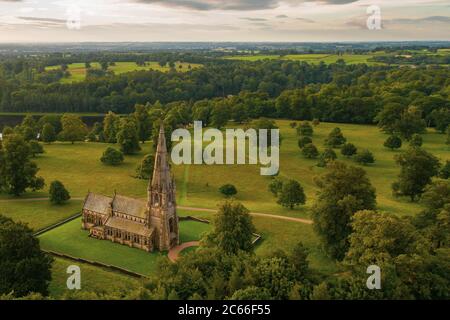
[(312, 58), (39, 214), (93, 279), (72, 240), (78, 70)]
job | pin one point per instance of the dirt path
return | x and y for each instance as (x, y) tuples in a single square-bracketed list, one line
[(256, 214), (175, 252)]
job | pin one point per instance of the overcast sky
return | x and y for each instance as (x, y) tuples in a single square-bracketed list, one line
[(214, 20)]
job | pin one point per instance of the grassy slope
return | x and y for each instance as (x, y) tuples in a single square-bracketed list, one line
[(93, 279), (78, 70)]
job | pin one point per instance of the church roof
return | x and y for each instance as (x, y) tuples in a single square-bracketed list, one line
[(129, 226), (130, 206), (97, 202)]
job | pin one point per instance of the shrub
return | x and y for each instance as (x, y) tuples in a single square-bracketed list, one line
[(58, 193), (310, 151), (228, 190), (335, 138), (112, 157), (364, 157), (303, 141), (393, 142), (348, 149), (305, 129)]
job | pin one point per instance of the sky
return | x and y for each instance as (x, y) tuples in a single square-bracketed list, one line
[(219, 21)]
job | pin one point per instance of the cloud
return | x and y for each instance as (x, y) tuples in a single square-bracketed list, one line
[(282, 16), (305, 20), (217, 4), (44, 21), (253, 19), (432, 19)]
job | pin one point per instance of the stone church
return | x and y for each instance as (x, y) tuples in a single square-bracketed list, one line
[(147, 225)]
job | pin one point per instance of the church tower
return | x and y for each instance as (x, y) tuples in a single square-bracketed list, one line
[(161, 205)]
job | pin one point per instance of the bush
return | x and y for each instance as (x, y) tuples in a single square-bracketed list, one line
[(445, 171), (112, 157), (335, 138), (291, 194), (416, 141), (310, 151), (315, 122), (36, 148), (303, 141), (228, 190), (393, 142), (305, 129), (364, 157), (275, 186), (348, 149), (145, 168), (327, 156), (58, 193)]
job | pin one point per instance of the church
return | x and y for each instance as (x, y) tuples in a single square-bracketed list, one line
[(148, 225)]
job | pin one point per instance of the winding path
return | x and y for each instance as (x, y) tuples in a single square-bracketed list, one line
[(175, 251)]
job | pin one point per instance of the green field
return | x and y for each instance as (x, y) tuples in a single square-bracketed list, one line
[(93, 279), (70, 239), (313, 58), (78, 70), (79, 168)]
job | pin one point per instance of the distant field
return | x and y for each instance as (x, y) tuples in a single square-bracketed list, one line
[(72, 240), (78, 70), (312, 58)]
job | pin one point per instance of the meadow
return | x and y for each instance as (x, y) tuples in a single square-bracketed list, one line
[(78, 70), (313, 58)]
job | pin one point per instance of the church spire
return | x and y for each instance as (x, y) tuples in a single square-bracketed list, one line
[(161, 188)]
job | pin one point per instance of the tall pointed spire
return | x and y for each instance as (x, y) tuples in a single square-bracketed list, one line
[(161, 189)]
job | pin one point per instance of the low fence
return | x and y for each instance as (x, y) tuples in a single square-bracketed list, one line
[(95, 263), (257, 236), (56, 225)]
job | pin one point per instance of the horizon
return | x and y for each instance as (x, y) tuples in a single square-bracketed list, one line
[(273, 21)]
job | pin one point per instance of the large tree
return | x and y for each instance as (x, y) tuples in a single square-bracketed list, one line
[(18, 172), (111, 127), (291, 194), (127, 136), (73, 128), (417, 168), (232, 229), (144, 122), (24, 268), (343, 190)]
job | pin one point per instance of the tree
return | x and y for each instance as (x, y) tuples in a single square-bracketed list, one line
[(48, 134), (144, 122), (228, 190), (305, 129), (111, 127), (445, 171), (35, 148), (410, 122), (416, 141), (393, 142), (145, 169), (291, 195), (448, 135), (326, 156), (315, 122), (28, 128), (7, 130), (310, 151), (335, 138), (348, 150), (343, 190), (18, 173), (417, 168), (252, 293), (275, 186), (219, 114), (112, 157), (127, 136), (441, 118), (73, 128), (364, 157), (232, 229), (303, 141), (58, 193), (24, 267)]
